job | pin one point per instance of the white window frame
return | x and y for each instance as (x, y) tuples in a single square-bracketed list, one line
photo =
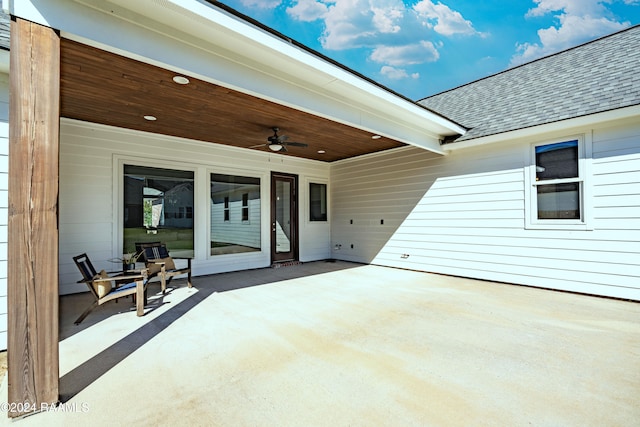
[(583, 179)]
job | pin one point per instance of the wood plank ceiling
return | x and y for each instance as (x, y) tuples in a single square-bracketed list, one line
[(102, 87)]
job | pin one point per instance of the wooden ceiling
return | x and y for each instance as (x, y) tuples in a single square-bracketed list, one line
[(101, 87)]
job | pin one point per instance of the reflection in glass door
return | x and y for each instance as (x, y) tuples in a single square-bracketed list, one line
[(284, 221)]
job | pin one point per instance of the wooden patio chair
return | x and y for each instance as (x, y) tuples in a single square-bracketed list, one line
[(105, 288), (159, 263)]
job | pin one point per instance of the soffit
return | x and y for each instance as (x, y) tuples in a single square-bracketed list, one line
[(222, 48), (118, 59), (102, 87)]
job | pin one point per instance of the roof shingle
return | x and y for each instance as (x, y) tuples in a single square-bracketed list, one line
[(598, 76)]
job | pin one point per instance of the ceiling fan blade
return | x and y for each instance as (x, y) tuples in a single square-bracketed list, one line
[(297, 144), (259, 145)]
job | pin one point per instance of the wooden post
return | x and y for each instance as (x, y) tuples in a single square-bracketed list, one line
[(34, 117)]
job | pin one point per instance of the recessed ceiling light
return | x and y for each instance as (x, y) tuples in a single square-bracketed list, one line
[(376, 137), (321, 151), (181, 80), (150, 118)]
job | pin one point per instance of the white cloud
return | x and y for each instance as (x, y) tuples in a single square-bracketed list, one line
[(308, 10), (417, 53), (397, 73), (578, 22), (387, 18), (353, 23), (396, 34), (569, 7), (261, 4), (442, 19)]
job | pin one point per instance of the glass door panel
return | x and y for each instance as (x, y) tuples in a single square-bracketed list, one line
[(284, 219)]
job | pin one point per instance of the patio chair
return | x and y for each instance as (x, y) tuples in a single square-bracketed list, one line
[(105, 288), (159, 263)]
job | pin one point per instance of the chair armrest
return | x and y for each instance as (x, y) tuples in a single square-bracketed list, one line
[(105, 279), (116, 272), (130, 277)]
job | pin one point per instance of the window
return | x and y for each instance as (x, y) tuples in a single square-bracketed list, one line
[(235, 214), (557, 181), (245, 207), (557, 196), (158, 206), (226, 208), (317, 202)]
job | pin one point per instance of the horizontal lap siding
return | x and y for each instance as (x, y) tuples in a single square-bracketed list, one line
[(87, 219), (368, 191), (86, 208), (616, 181), (4, 203), (464, 215)]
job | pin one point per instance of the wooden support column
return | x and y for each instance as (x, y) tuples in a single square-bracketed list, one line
[(34, 117)]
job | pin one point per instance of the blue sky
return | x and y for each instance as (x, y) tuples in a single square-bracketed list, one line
[(422, 47)]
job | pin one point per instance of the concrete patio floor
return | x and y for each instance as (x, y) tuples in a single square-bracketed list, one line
[(337, 344)]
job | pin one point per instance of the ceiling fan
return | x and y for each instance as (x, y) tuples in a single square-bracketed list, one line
[(279, 142)]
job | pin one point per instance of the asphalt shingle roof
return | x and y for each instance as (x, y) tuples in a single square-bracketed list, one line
[(598, 76)]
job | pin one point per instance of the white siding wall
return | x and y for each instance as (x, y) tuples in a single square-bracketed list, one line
[(89, 215), (464, 215), (4, 203), (237, 231)]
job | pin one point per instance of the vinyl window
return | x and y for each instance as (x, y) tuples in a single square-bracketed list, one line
[(317, 202), (557, 191)]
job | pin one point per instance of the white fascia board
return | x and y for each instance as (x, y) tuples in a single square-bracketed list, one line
[(207, 43), (25, 9), (555, 127)]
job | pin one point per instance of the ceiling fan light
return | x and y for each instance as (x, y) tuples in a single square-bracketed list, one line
[(275, 147)]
